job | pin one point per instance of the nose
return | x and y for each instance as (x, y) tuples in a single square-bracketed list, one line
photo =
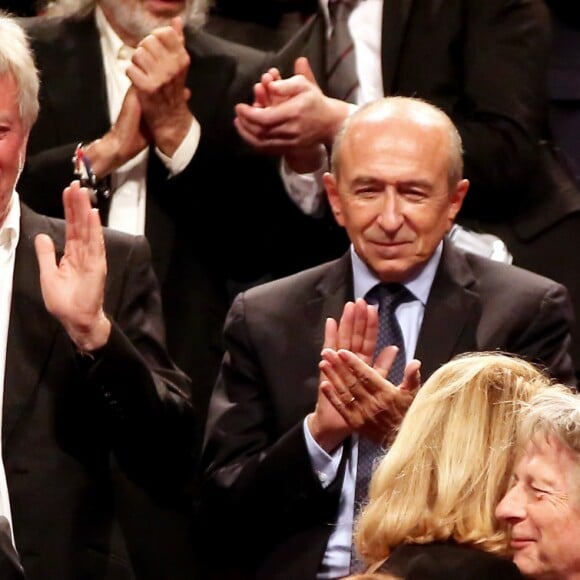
[(390, 217), (511, 507)]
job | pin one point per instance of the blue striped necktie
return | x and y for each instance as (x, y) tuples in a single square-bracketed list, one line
[(388, 296)]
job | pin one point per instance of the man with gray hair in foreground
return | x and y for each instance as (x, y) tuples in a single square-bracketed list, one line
[(542, 507), (90, 396)]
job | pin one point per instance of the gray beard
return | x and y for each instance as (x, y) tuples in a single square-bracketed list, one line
[(136, 21), (195, 14)]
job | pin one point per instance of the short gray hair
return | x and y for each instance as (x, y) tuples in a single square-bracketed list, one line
[(553, 412), (17, 59), (406, 106)]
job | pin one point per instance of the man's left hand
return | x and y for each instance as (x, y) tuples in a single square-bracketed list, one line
[(73, 289)]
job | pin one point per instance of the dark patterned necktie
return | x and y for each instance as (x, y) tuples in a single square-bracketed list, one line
[(388, 296), (341, 76)]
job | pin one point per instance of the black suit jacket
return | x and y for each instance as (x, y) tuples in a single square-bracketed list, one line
[(255, 461), (10, 566), (444, 560), (73, 426)]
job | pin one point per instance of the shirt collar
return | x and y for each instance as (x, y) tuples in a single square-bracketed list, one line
[(112, 44), (420, 284), (10, 228)]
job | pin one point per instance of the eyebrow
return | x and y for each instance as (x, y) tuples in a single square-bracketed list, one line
[(422, 183)]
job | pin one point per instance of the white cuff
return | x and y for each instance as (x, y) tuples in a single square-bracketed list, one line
[(184, 153)]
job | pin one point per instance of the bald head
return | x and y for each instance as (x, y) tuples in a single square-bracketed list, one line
[(403, 111)]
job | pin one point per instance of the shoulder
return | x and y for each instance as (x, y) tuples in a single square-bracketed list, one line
[(203, 44), (442, 560), (296, 286), (492, 275), (123, 248), (54, 29)]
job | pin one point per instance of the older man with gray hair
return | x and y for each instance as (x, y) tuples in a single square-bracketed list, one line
[(90, 396), (542, 507)]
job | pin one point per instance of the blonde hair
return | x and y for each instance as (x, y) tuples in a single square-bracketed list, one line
[(450, 462)]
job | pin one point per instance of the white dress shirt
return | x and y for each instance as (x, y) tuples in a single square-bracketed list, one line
[(9, 234), (336, 560), (365, 25), (127, 211)]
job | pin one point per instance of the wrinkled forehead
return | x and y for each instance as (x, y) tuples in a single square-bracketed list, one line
[(546, 455)]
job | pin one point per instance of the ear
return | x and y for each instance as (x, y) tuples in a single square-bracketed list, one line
[(456, 198), (331, 186)]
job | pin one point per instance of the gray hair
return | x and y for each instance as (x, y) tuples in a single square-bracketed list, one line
[(553, 412), (406, 107), (17, 59), (195, 17)]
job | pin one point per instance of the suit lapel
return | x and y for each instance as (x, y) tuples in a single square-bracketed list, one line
[(31, 330), (452, 313), (395, 19), (332, 291)]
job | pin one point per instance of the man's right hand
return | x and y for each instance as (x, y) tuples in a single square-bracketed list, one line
[(125, 139), (357, 332), (291, 117)]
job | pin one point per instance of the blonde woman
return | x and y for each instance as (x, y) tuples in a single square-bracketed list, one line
[(433, 495)]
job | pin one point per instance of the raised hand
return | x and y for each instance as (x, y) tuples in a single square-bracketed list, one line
[(127, 137), (367, 402), (356, 331), (158, 71), (293, 117), (73, 289)]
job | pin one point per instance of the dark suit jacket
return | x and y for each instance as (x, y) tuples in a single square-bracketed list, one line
[(72, 425), (564, 84), (10, 566), (444, 560), (256, 465)]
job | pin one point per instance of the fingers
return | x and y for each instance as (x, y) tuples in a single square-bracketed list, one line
[(177, 25), (262, 118), (261, 97), (412, 376), (302, 67), (82, 222), (338, 375), (262, 94), (46, 255), (330, 334), (385, 359), (346, 326), (347, 410), (359, 325), (159, 58)]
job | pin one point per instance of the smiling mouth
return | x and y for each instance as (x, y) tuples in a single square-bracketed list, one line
[(390, 244), (519, 543)]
